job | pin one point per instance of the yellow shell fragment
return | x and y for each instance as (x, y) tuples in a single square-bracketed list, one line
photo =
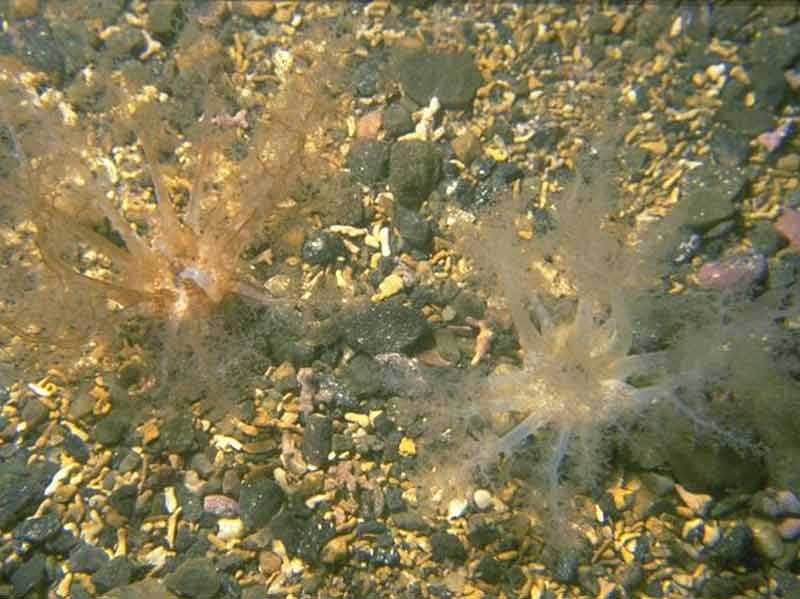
[(407, 447), (388, 287)]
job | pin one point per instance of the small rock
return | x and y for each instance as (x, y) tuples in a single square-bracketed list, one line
[(220, 505), (734, 549), (788, 225), (177, 434), (123, 500), (162, 17), (457, 508), (335, 551), (446, 546), (230, 528), (317, 439), (482, 499), (766, 538), (699, 503), (466, 147), (23, 9), (450, 76), (384, 328), (87, 558), (414, 168), (195, 578), (415, 232), (369, 160), (75, 447), (369, 125), (114, 573), (489, 570), (775, 504), (259, 501), (111, 429), (30, 578), (737, 273), (789, 162), (37, 530), (34, 412), (397, 121), (322, 247), (789, 529)]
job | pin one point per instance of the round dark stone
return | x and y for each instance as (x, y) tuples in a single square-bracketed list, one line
[(414, 168), (259, 501), (450, 76), (195, 578), (384, 328)]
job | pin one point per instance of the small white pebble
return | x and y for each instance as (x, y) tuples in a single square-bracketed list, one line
[(482, 499), (230, 528), (456, 508), (170, 500)]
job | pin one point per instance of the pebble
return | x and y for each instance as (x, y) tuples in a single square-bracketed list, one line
[(335, 551), (23, 9), (37, 530), (789, 528), (450, 76), (87, 558), (384, 328), (368, 160), (446, 546), (30, 578), (736, 273), (196, 578), (230, 528), (414, 169), (788, 225), (369, 124), (766, 538), (774, 503), (220, 505), (112, 574), (466, 147), (456, 508), (259, 501), (699, 503), (482, 499)]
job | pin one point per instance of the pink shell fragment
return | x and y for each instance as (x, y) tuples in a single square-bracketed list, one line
[(220, 505), (735, 273), (772, 140), (788, 225)]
